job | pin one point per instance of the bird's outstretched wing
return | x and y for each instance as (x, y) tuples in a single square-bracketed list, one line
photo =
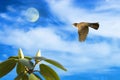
[(94, 25), (83, 33)]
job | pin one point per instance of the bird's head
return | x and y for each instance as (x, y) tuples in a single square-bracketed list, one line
[(75, 24)]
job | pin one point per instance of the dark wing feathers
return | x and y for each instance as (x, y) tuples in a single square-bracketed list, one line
[(94, 25)]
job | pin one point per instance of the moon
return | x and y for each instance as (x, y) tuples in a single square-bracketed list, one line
[(32, 14)]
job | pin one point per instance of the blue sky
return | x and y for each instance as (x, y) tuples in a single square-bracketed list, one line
[(95, 59)]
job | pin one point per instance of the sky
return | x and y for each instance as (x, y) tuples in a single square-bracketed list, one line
[(95, 59)]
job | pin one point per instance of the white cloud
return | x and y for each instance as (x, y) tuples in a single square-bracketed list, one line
[(109, 5), (75, 56), (11, 9), (5, 55), (43, 37), (5, 16), (109, 23), (14, 15)]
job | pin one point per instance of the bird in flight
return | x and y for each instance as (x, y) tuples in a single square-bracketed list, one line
[(83, 28)]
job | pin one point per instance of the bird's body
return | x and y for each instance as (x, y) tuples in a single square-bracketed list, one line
[(83, 29)]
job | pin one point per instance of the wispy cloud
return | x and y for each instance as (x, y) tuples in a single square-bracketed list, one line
[(72, 14), (109, 6), (5, 16), (83, 56)]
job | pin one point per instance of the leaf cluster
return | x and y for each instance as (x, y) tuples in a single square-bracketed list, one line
[(25, 67)]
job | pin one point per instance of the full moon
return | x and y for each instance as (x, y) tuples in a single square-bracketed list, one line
[(32, 14)]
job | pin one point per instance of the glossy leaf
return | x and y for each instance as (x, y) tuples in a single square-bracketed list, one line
[(48, 73), (13, 57), (7, 66), (39, 58), (19, 77), (33, 77), (20, 68), (25, 77), (22, 76), (27, 57), (16, 57), (39, 76), (27, 63), (55, 63)]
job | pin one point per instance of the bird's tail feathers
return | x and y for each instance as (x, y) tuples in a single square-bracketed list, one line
[(94, 25)]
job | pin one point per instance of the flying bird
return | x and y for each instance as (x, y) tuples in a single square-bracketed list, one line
[(83, 28)]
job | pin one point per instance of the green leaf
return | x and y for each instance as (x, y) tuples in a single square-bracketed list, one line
[(39, 77), (39, 58), (22, 76), (27, 63), (25, 77), (33, 77), (19, 77), (27, 57), (55, 63), (16, 57), (13, 57), (20, 68), (7, 66), (48, 73)]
